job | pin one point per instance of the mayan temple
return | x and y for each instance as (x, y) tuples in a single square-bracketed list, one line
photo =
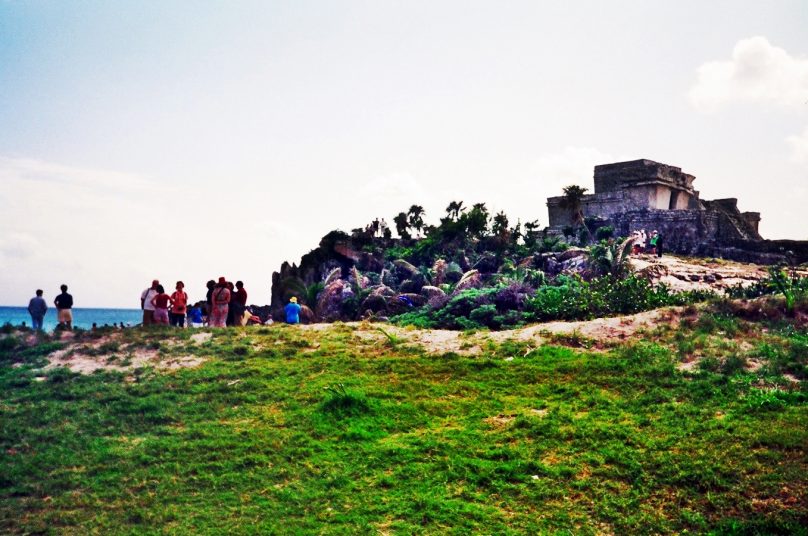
[(643, 194)]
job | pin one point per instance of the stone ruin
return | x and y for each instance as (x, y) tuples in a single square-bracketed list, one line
[(643, 194)]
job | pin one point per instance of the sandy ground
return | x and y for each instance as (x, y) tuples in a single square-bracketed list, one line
[(73, 358), (600, 332)]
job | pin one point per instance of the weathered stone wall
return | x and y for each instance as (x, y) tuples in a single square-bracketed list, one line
[(611, 177), (642, 194), (683, 231)]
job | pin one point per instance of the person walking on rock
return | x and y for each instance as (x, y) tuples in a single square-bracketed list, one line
[(146, 303), (220, 305), (37, 308), (292, 311), (64, 308)]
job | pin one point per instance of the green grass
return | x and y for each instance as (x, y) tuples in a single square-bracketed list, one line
[(291, 431)]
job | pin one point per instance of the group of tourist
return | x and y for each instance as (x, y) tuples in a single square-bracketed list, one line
[(225, 305), (645, 243)]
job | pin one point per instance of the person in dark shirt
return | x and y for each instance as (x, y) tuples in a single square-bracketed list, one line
[(209, 297), (64, 306), (37, 309), (238, 304), (241, 294), (659, 245)]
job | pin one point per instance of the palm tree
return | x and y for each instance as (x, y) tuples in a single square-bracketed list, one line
[(573, 201), (454, 209), (477, 220), (612, 259), (402, 225), (415, 217)]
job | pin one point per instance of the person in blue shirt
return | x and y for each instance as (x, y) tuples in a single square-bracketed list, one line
[(292, 311), (195, 316), (37, 309)]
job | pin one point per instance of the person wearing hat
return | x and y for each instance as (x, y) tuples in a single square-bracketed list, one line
[(146, 303), (221, 304), (292, 311)]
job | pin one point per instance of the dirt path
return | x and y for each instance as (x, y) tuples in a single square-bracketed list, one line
[(600, 332)]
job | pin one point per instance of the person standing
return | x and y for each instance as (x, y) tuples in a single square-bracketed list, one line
[(146, 303), (160, 303), (238, 303), (209, 299), (659, 245), (652, 242), (231, 308), (221, 304), (64, 308), (179, 306), (37, 308), (292, 311)]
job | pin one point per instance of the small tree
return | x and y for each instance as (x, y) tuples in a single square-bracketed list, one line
[(612, 259), (573, 201), (477, 220), (454, 209), (415, 217), (402, 225), (532, 234)]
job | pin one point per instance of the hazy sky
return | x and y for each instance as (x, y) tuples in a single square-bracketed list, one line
[(188, 140)]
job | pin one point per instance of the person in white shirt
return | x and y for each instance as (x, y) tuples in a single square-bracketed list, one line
[(146, 303)]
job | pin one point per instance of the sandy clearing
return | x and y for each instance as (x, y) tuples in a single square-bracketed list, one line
[(201, 338), (72, 358), (600, 330)]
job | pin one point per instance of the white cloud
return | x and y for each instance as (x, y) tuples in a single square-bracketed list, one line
[(29, 169), (799, 147), (758, 72)]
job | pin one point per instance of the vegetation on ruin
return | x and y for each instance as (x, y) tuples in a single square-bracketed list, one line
[(472, 270), (697, 425)]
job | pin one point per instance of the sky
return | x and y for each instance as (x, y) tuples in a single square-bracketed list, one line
[(188, 140)]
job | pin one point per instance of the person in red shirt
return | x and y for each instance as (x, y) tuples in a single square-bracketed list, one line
[(179, 306), (160, 303)]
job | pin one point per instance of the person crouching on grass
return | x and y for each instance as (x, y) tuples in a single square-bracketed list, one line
[(292, 311)]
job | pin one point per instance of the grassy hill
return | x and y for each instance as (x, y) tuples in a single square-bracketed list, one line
[(694, 421)]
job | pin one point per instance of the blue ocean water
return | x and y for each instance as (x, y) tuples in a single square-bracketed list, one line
[(82, 317)]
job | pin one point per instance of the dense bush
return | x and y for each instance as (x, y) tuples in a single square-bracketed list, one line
[(569, 298), (779, 281)]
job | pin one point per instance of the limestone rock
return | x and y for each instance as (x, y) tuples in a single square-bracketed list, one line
[(429, 291), (470, 279), (329, 303), (405, 268), (439, 269), (571, 253)]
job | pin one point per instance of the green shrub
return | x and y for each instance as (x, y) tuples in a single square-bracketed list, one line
[(344, 403), (569, 298), (484, 315), (604, 233)]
